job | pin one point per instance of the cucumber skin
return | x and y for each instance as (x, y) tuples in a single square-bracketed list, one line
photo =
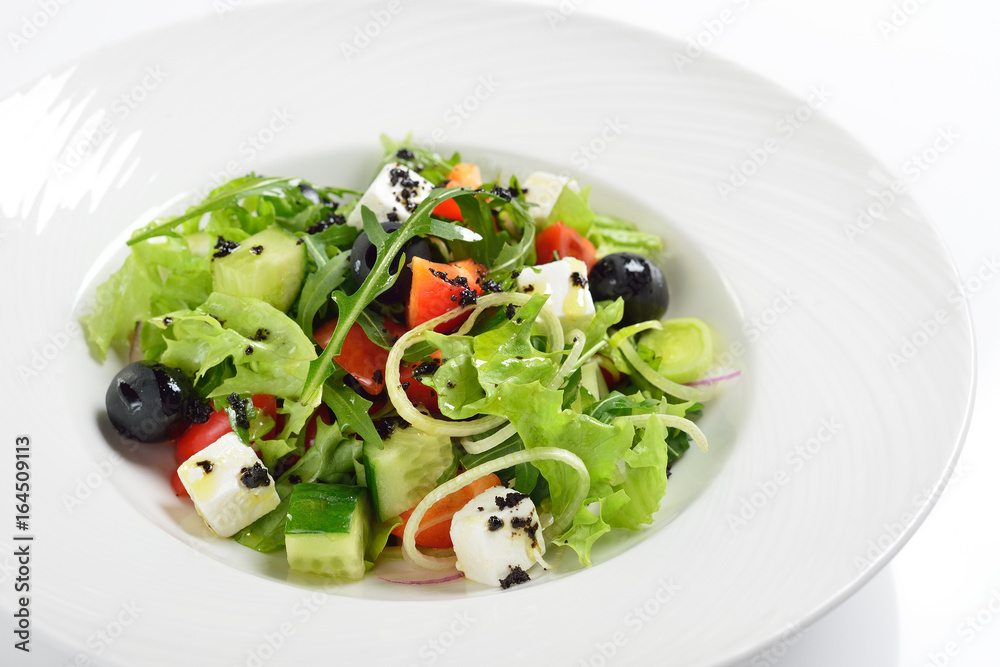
[(274, 276), (328, 529), (389, 470)]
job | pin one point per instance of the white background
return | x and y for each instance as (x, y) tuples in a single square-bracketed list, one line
[(900, 71)]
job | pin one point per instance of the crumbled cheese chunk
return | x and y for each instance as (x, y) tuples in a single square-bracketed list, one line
[(565, 281), (393, 195), (542, 189), (229, 485), (497, 537)]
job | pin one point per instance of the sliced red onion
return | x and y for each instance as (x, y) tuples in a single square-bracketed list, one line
[(135, 349), (419, 579), (724, 374)]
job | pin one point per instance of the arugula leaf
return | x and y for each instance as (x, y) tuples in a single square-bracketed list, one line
[(318, 287), (350, 306), (350, 409), (427, 163), (220, 198), (375, 329)]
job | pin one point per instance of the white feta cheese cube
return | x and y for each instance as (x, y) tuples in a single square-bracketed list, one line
[(229, 485), (393, 195), (565, 281), (497, 537), (542, 189)]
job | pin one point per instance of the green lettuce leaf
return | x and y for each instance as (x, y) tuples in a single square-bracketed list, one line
[(572, 209), (226, 327), (156, 278)]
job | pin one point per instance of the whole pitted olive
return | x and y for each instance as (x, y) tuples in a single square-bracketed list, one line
[(150, 402), (364, 255), (636, 280)]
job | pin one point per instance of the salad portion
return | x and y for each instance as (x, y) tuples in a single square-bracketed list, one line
[(467, 374)]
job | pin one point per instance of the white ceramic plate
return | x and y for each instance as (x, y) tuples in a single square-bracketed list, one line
[(856, 347)]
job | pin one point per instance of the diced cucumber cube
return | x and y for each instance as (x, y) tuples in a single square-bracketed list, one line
[(327, 530)]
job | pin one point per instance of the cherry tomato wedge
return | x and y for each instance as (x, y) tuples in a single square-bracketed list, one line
[(438, 288), (435, 527), (359, 356), (565, 241), (200, 436), (462, 174), (416, 391)]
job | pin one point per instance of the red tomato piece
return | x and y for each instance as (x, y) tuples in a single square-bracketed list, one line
[(566, 241), (438, 288), (200, 436), (435, 527), (417, 391), (462, 174), (359, 356)]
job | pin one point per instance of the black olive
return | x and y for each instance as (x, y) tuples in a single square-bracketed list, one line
[(309, 192), (364, 254), (636, 280), (150, 402)]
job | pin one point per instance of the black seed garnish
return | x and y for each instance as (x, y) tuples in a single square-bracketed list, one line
[(197, 411), (480, 509), (167, 321), (451, 385), (205, 465), (577, 279), (377, 377), (426, 368), (392, 216), (514, 275), (489, 286), (494, 523), (396, 175), (510, 500), (224, 247), (405, 385), (516, 576), (255, 476), (387, 426), (256, 250), (294, 479), (249, 350), (528, 289), (503, 193), (239, 407), (261, 335), (405, 154), (467, 297), (326, 223), (299, 242), (510, 311)]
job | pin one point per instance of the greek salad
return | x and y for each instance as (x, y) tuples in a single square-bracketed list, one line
[(463, 374)]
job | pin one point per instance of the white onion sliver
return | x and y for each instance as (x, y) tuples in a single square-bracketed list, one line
[(670, 421), (681, 391), (489, 442)]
